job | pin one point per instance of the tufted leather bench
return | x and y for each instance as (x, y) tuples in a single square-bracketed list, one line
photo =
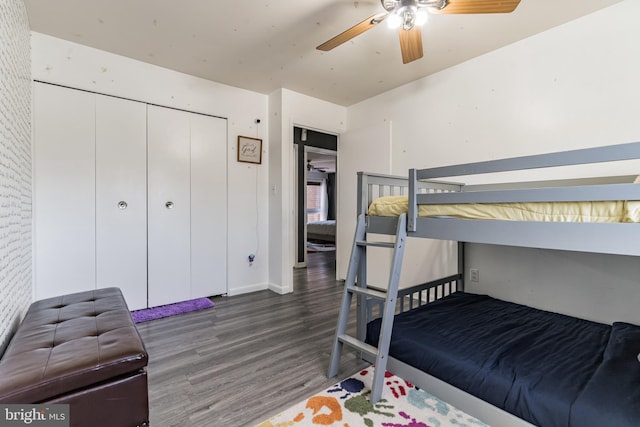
[(82, 349)]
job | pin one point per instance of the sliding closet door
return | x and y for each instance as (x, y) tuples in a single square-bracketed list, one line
[(168, 134), (121, 197), (208, 206), (64, 190)]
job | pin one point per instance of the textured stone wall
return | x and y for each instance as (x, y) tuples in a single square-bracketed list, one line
[(15, 167)]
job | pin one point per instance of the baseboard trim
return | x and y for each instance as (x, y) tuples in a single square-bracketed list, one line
[(248, 289)]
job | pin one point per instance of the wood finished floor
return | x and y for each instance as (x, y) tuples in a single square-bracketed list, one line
[(249, 357)]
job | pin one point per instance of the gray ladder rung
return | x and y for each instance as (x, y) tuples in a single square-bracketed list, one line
[(356, 273), (376, 244), (359, 345), (368, 292)]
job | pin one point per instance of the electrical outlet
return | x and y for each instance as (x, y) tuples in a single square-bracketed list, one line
[(474, 275)]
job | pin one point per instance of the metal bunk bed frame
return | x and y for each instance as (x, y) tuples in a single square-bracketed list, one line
[(610, 238)]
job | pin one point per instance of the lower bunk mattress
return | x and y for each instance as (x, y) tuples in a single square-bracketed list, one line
[(546, 368)]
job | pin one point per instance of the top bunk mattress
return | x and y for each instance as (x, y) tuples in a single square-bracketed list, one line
[(546, 368), (596, 211)]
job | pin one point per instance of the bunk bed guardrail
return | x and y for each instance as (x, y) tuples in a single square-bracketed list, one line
[(374, 185), (612, 238)]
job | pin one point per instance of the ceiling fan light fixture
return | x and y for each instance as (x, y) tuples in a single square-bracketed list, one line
[(422, 16), (408, 14), (394, 21), (406, 17), (388, 5)]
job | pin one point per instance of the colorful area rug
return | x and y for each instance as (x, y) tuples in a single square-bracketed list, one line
[(153, 313), (347, 405)]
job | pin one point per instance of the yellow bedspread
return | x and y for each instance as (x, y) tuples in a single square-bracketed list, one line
[(613, 211)]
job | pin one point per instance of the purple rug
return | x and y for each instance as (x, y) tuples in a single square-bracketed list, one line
[(153, 313)]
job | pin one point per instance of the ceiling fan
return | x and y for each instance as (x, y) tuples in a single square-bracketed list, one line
[(311, 167), (409, 15)]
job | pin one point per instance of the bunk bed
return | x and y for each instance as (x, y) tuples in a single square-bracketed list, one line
[(505, 363)]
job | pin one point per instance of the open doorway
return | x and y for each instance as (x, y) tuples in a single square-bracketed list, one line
[(320, 201), (316, 170)]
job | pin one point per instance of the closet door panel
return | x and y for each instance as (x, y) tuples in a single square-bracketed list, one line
[(64, 190), (121, 198), (168, 205), (208, 206)]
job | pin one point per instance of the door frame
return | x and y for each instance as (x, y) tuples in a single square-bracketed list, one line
[(296, 193), (293, 193), (307, 149)]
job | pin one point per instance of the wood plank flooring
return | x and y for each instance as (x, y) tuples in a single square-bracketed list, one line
[(249, 357)]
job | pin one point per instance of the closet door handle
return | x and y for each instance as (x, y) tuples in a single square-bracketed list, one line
[(169, 205), (122, 204)]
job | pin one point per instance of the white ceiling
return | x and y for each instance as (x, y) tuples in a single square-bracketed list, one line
[(263, 45)]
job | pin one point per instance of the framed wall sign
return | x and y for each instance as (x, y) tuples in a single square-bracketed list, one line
[(249, 150)]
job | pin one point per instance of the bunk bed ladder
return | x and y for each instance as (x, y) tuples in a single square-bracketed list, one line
[(357, 266)]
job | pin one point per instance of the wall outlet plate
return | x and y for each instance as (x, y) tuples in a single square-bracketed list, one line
[(474, 275)]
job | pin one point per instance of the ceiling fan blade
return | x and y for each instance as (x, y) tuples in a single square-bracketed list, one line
[(479, 6), (356, 30), (410, 44)]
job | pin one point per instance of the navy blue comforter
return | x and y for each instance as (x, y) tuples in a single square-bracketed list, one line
[(547, 368)]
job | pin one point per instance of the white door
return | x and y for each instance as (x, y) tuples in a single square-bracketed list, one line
[(64, 191), (121, 198), (208, 206), (168, 135), (369, 150)]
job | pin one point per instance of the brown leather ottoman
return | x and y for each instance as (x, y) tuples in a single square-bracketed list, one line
[(82, 349)]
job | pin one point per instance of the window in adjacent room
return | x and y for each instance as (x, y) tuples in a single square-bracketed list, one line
[(315, 202)]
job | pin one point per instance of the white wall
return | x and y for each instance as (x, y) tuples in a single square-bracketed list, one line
[(572, 86), (278, 205), (288, 109), (69, 64), (15, 167)]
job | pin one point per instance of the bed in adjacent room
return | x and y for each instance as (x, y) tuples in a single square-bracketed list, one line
[(321, 231)]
